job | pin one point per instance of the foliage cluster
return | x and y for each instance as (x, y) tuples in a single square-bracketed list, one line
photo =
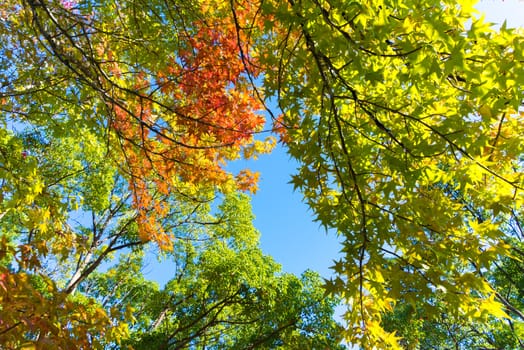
[(118, 120)]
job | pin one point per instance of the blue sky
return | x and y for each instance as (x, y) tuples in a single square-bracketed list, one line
[(288, 232), (498, 10)]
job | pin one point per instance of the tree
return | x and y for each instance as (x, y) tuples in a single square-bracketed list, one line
[(224, 293), (45, 252), (56, 293), (110, 139), (175, 109), (451, 331), (459, 332), (404, 116)]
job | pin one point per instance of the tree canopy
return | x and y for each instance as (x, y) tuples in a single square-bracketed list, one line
[(118, 121), (407, 127)]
